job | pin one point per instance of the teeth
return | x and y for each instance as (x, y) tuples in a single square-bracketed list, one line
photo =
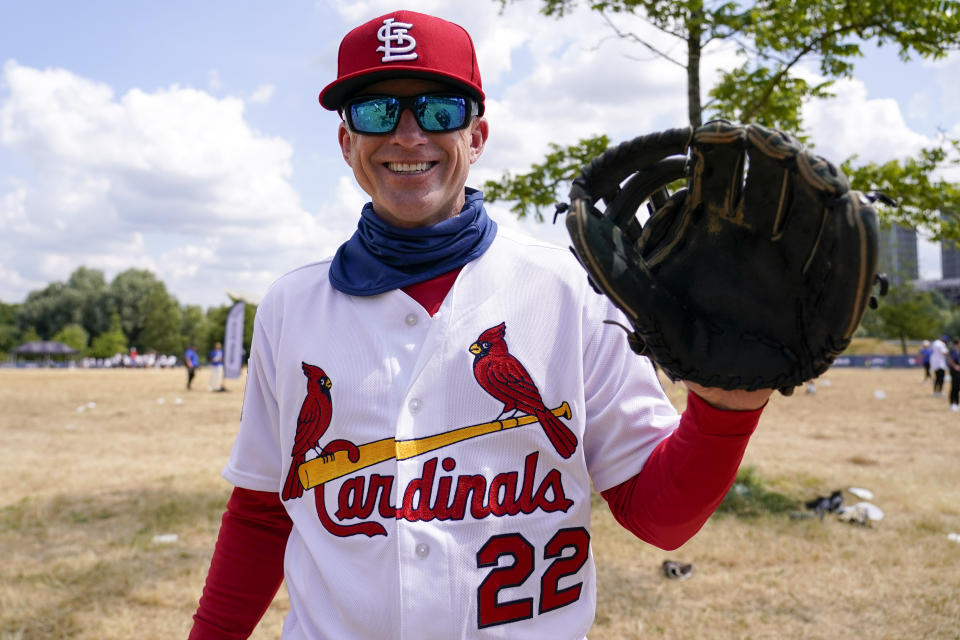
[(408, 167)]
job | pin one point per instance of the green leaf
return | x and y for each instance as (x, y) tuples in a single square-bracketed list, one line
[(540, 188)]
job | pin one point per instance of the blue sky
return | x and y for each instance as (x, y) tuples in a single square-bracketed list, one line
[(186, 137)]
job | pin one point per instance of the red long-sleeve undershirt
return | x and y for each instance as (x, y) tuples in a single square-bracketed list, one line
[(681, 484)]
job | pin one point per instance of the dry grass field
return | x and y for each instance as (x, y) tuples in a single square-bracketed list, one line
[(95, 464)]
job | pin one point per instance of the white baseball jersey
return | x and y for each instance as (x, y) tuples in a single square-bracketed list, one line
[(938, 357), (457, 520)]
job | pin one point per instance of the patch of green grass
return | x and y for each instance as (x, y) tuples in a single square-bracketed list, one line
[(749, 497), (14, 517), (152, 510)]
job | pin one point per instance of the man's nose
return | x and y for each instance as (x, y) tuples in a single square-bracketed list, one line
[(408, 131)]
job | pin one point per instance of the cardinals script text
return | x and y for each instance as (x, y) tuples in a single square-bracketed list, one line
[(446, 497)]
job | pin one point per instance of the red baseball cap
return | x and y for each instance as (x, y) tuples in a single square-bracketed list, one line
[(404, 44)]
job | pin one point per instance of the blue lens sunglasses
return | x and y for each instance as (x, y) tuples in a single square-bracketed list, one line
[(434, 112)]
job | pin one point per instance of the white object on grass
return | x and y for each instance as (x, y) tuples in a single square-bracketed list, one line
[(165, 538), (873, 511)]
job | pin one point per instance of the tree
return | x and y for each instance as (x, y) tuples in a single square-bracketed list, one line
[(50, 309), (194, 328), (82, 300), (110, 342), (95, 308), (74, 336), (773, 37), (907, 314), (217, 322), (161, 323), (9, 334), (137, 295), (920, 197), (536, 189)]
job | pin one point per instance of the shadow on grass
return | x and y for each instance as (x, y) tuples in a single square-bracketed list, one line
[(71, 555)]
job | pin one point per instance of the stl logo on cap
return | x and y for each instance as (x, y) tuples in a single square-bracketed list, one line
[(411, 45), (398, 44)]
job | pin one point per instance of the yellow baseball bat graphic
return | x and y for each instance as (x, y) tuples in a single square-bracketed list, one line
[(324, 469)]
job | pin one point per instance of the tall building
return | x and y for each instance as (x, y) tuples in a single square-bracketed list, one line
[(950, 260), (898, 254), (949, 283)]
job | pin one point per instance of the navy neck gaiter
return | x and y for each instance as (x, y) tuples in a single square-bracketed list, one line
[(380, 257)]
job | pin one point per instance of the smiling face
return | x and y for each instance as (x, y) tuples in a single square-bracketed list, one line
[(414, 178)]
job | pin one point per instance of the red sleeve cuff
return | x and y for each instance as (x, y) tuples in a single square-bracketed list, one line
[(686, 477), (721, 422)]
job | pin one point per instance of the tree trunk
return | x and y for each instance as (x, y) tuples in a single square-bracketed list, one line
[(694, 35)]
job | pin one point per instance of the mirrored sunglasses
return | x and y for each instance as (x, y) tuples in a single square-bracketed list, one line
[(434, 112)]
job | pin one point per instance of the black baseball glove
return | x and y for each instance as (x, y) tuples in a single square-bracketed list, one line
[(753, 275)]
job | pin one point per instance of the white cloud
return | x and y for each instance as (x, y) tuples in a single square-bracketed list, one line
[(921, 105), (545, 231), (576, 82), (13, 285), (263, 93), (184, 262), (214, 82), (947, 78), (13, 210), (177, 164), (852, 123)]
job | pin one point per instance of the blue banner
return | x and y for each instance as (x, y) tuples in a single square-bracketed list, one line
[(877, 361), (233, 342)]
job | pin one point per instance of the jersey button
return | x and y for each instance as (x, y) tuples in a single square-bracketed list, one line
[(422, 550), (414, 405), (411, 319)]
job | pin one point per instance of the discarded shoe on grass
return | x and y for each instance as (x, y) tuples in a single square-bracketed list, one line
[(677, 570), (823, 504), (854, 515), (862, 511)]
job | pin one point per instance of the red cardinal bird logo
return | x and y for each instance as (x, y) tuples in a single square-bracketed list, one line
[(312, 423), (503, 377)]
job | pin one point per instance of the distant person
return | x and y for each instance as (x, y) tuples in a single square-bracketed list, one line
[(925, 352), (216, 368), (953, 361), (938, 364), (192, 361)]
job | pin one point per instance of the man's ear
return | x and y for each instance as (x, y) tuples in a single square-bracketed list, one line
[(479, 131), (346, 142)]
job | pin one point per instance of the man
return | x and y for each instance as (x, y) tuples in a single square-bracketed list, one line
[(216, 368), (925, 352), (938, 363), (426, 411), (953, 361), (192, 361)]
